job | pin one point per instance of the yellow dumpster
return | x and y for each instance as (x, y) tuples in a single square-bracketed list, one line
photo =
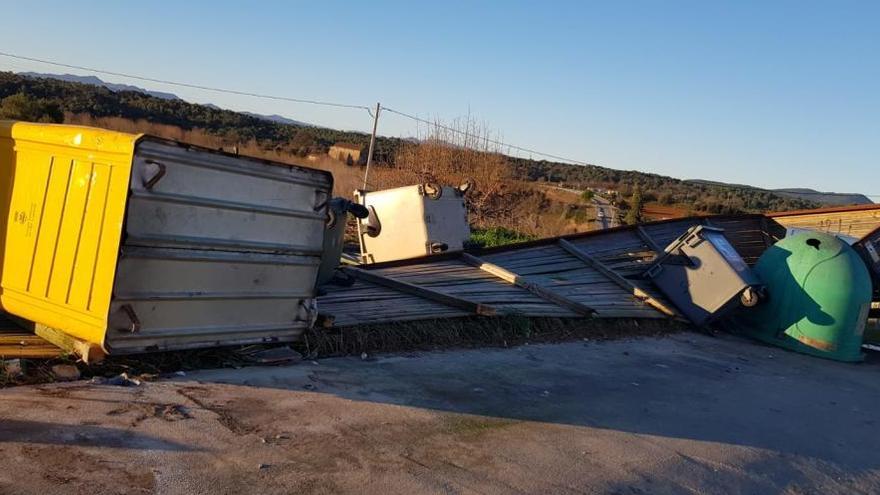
[(136, 243)]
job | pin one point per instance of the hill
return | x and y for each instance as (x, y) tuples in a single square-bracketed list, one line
[(54, 97), (280, 119), (826, 198), (823, 198), (96, 81)]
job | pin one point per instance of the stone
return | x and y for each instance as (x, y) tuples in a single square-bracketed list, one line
[(65, 372), (12, 368)]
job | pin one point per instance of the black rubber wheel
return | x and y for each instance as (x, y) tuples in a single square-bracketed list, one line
[(359, 211)]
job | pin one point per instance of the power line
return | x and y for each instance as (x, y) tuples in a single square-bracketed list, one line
[(486, 139), (294, 100), (187, 85), (313, 102)]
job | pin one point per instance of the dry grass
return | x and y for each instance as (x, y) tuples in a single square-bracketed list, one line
[(446, 153), (346, 178), (449, 154)]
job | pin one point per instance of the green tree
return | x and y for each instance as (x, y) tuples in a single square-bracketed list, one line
[(21, 107), (587, 195), (634, 215)]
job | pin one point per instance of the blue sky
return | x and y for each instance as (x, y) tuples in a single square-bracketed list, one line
[(774, 94)]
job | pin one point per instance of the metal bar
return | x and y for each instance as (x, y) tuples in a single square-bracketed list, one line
[(372, 143), (648, 240), (207, 296), (615, 277), (423, 292), (212, 256), (225, 205), (211, 243), (257, 169), (765, 232), (534, 288)]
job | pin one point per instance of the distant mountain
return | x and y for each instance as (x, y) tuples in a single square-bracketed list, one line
[(823, 198), (280, 119), (827, 198), (95, 81)]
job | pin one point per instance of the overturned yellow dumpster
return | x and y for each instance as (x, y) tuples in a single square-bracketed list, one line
[(138, 244)]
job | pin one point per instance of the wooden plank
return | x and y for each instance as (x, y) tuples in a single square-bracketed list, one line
[(646, 237), (534, 288), (29, 350), (615, 277), (16, 342), (415, 290), (89, 352)]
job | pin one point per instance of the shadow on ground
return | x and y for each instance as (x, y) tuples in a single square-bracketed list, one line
[(723, 390), (39, 432)]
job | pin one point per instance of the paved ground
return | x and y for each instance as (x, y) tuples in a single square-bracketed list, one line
[(682, 414)]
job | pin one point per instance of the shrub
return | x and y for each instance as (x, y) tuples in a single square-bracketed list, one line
[(22, 107), (497, 236)]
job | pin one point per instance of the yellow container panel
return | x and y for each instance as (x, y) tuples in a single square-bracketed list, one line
[(64, 194), (217, 249)]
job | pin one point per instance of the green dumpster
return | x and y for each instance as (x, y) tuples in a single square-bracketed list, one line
[(819, 294)]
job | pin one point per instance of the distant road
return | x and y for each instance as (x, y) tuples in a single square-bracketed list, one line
[(606, 213)]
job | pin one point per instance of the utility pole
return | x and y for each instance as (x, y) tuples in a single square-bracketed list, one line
[(367, 174), (372, 143)]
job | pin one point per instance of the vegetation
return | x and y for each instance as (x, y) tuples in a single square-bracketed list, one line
[(20, 107), (636, 203), (701, 197), (505, 186), (497, 236), (233, 127), (453, 154)]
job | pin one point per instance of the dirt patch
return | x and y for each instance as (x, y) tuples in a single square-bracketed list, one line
[(473, 425), (223, 412), (72, 470), (655, 211)]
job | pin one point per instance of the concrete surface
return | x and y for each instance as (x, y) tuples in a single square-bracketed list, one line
[(681, 414)]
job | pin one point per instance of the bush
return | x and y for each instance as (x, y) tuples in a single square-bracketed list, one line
[(496, 236), (21, 107)]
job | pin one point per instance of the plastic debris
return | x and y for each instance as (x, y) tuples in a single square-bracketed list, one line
[(122, 380)]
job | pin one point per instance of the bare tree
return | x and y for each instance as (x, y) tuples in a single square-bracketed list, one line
[(450, 154)]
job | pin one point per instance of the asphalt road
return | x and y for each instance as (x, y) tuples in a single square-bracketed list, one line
[(606, 214)]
